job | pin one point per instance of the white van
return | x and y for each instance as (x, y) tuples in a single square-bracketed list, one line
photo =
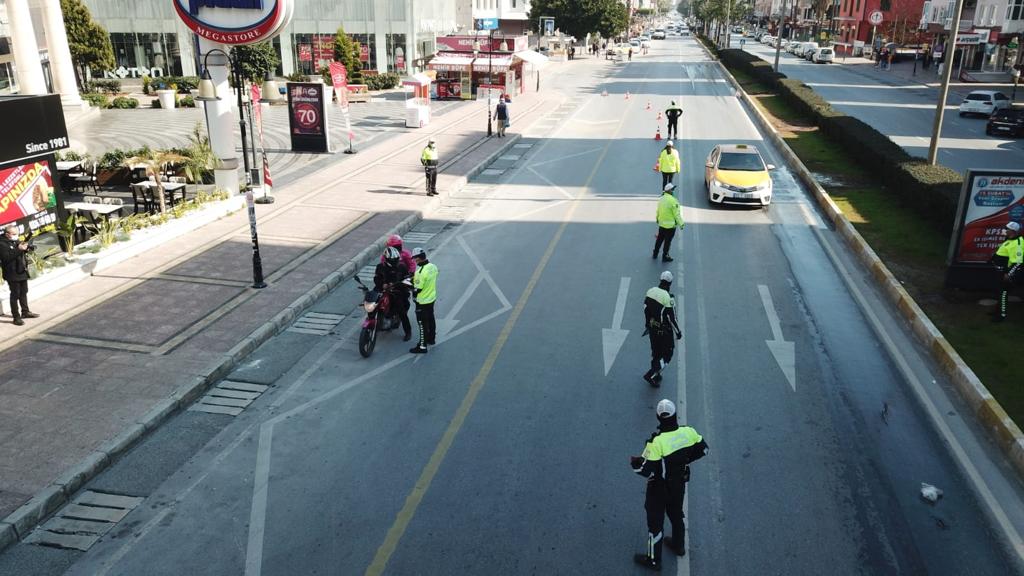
[(823, 55), (807, 49)]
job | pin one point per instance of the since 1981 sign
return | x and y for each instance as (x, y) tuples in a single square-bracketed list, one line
[(235, 22)]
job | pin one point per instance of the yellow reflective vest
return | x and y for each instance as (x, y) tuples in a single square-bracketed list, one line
[(429, 156), (669, 160), (425, 283), (1012, 250), (669, 215)]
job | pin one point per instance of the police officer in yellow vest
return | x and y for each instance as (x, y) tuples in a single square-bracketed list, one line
[(1009, 259), (668, 163), (660, 324), (424, 286), (429, 160), (666, 465), (669, 217)]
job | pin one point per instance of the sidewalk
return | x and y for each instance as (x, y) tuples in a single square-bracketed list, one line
[(114, 355)]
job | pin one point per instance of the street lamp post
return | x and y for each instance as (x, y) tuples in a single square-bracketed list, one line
[(1016, 78), (490, 70), (208, 93)]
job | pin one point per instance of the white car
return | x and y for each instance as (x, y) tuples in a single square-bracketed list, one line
[(736, 174), (823, 55), (783, 43), (659, 34), (984, 102), (792, 47), (807, 49), (767, 39)]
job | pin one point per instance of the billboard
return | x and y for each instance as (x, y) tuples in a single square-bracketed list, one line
[(307, 117), (989, 200), (28, 197)]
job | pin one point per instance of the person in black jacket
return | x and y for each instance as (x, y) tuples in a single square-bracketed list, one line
[(15, 268), (660, 324), (666, 465), (392, 273)]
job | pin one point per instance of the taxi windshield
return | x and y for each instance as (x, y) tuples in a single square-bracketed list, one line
[(737, 161)]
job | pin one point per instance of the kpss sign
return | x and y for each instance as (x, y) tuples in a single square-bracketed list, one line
[(307, 117), (988, 201)]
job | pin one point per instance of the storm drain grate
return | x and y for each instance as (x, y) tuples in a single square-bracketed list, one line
[(318, 323), (80, 524), (228, 398)]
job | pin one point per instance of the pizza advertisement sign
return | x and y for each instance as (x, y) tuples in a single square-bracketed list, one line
[(307, 117), (28, 197), (988, 201)]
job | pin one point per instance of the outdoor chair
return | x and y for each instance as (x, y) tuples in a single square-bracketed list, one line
[(88, 179), (92, 200), (115, 202), (141, 199)]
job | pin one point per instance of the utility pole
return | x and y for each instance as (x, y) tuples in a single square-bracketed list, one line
[(947, 71), (778, 39)]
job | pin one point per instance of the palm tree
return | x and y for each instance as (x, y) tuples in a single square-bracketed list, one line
[(201, 160), (156, 162)]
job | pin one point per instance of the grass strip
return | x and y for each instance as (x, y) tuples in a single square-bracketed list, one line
[(910, 247)]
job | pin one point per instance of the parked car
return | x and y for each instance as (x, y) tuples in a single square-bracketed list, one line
[(783, 43), (983, 102), (1009, 121), (822, 55), (767, 39), (807, 49), (793, 47)]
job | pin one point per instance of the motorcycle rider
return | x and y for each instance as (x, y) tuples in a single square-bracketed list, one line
[(396, 241), (660, 316), (666, 465), (391, 274)]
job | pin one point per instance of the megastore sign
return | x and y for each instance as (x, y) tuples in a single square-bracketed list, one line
[(235, 22)]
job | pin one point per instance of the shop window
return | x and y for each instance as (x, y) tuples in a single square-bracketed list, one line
[(1015, 10)]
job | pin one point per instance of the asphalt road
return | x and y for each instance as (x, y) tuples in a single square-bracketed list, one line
[(505, 449), (903, 112)]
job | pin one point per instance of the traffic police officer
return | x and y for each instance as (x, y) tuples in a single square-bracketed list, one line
[(660, 318), (669, 217), (668, 163), (1008, 259), (424, 285), (666, 465), (429, 160), (673, 113)]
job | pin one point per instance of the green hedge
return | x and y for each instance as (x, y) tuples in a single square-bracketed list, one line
[(104, 86), (381, 81), (933, 191), (124, 102), (98, 100)]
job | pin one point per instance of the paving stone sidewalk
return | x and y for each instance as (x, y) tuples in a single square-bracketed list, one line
[(122, 349)]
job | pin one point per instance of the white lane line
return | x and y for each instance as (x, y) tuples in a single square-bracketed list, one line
[(483, 271), (576, 155), (563, 191), (784, 352), (613, 338), (995, 510), (769, 309)]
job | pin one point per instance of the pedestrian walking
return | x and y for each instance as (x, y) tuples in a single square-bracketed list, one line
[(572, 52), (669, 217), (429, 160), (1008, 259), (666, 465), (424, 286), (659, 326), (888, 65), (668, 163), (14, 264), (630, 53), (501, 114), (673, 113)]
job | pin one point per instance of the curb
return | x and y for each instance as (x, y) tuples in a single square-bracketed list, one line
[(17, 525), (1002, 430)]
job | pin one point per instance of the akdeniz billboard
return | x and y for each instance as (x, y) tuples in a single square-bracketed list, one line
[(235, 22), (988, 201)]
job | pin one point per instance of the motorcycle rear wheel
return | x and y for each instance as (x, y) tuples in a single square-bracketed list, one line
[(367, 341)]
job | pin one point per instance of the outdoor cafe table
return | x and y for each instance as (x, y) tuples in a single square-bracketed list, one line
[(102, 209), (169, 188), (68, 165)]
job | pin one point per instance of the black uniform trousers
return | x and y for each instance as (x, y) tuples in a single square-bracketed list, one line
[(1005, 286), (673, 127), (431, 177), (664, 498), (662, 347), (19, 295), (665, 236), (427, 324), (666, 177)]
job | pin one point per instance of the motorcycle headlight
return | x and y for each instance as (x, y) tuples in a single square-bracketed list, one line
[(369, 307)]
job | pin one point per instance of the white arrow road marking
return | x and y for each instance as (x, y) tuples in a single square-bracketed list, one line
[(613, 338), (783, 351)]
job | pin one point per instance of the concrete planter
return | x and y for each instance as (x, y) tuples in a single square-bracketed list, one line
[(167, 98), (84, 265)]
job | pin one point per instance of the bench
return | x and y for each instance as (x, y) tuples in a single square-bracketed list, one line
[(358, 93)]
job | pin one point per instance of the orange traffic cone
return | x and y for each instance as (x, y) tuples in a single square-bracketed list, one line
[(659, 115), (657, 135), (648, 105)]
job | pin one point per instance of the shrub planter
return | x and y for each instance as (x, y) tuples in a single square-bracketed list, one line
[(166, 98)]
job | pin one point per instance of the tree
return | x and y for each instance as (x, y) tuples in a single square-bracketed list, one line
[(577, 18), (256, 60), (88, 42), (156, 162), (347, 51)]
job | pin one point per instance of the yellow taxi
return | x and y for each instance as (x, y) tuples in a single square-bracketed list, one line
[(736, 174)]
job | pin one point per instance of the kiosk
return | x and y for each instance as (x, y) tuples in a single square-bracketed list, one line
[(417, 100)]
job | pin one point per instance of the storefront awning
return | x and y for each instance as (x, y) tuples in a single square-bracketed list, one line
[(530, 57), (450, 64), (417, 80), (495, 64)]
